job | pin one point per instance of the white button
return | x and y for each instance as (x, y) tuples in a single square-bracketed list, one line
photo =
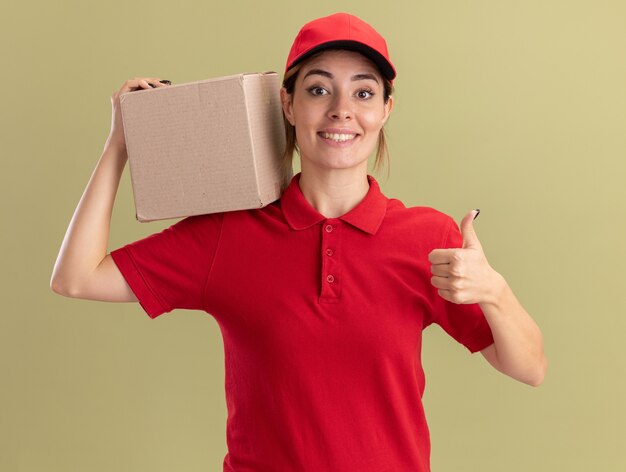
[(329, 228)]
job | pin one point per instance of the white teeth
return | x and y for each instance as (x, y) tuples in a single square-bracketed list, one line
[(338, 137)]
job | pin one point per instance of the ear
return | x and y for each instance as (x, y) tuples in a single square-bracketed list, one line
[(287, 103), (388, 108)]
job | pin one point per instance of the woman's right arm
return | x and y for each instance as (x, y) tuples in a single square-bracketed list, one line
[(83, 268)]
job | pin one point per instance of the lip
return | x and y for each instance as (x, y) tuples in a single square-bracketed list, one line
[(337, 131)]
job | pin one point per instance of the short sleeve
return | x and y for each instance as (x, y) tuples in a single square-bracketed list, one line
[(169, 269), (466, 323)]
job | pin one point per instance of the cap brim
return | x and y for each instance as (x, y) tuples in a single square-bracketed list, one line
[(385, 67)]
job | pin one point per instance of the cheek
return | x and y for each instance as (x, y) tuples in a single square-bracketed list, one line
[(372, 121), (306, 120)]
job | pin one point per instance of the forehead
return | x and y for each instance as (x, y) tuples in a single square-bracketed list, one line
[(340, 60)]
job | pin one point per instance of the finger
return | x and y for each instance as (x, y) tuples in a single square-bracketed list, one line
[(441, 270), (134, 84), (156, 81), (452, 296), (143, 83), (446, 295), (470, 240), (441, 282), (441, 256)]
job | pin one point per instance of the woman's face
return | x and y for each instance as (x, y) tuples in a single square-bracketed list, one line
[(337, 109)]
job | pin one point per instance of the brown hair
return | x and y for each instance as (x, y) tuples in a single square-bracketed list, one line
[(289, 82)]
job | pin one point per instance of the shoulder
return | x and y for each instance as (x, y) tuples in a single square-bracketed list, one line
[(194, 227), (210, 222), (427, 222), (198, 221), (272, 211), (241, 225)]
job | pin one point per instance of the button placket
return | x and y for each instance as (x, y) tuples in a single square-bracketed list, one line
[(330, 276)]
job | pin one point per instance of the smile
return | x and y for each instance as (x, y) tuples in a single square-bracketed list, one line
[(338, 137)]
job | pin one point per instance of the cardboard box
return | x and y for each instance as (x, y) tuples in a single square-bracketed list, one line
[(204, 147)]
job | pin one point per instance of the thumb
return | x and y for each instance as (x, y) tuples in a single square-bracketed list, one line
[(470, 240)]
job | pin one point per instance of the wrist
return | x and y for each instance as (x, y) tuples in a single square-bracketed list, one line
[(497, 291), (116, 148), (118, 145)]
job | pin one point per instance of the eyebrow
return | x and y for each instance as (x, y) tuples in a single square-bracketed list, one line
[(331, 76)]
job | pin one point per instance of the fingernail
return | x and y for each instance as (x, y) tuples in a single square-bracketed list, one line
[(477, 213), (165, 81)]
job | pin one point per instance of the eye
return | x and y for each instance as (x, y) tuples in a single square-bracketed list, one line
[(319, 91), (365, 94)]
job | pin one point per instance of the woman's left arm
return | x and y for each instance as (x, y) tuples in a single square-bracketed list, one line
[(463, 275)]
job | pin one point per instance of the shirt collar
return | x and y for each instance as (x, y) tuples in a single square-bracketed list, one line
[(367, 215)]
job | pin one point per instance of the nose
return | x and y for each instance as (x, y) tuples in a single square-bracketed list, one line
[(340, 108)]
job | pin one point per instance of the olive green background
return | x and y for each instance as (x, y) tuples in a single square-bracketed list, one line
[(515, 107)]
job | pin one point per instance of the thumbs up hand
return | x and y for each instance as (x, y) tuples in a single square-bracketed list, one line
[(463, 274)]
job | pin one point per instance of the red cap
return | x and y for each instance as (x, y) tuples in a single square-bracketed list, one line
[(341, 31)]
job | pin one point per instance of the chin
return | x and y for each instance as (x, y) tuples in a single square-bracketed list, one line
[(338, 165), (333, 159)]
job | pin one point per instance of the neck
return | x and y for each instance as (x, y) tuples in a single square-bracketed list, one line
[(335, 192)]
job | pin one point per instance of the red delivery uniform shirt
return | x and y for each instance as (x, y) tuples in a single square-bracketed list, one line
[(322, 322)]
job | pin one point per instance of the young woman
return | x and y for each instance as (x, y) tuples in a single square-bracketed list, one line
[(322, 296)]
